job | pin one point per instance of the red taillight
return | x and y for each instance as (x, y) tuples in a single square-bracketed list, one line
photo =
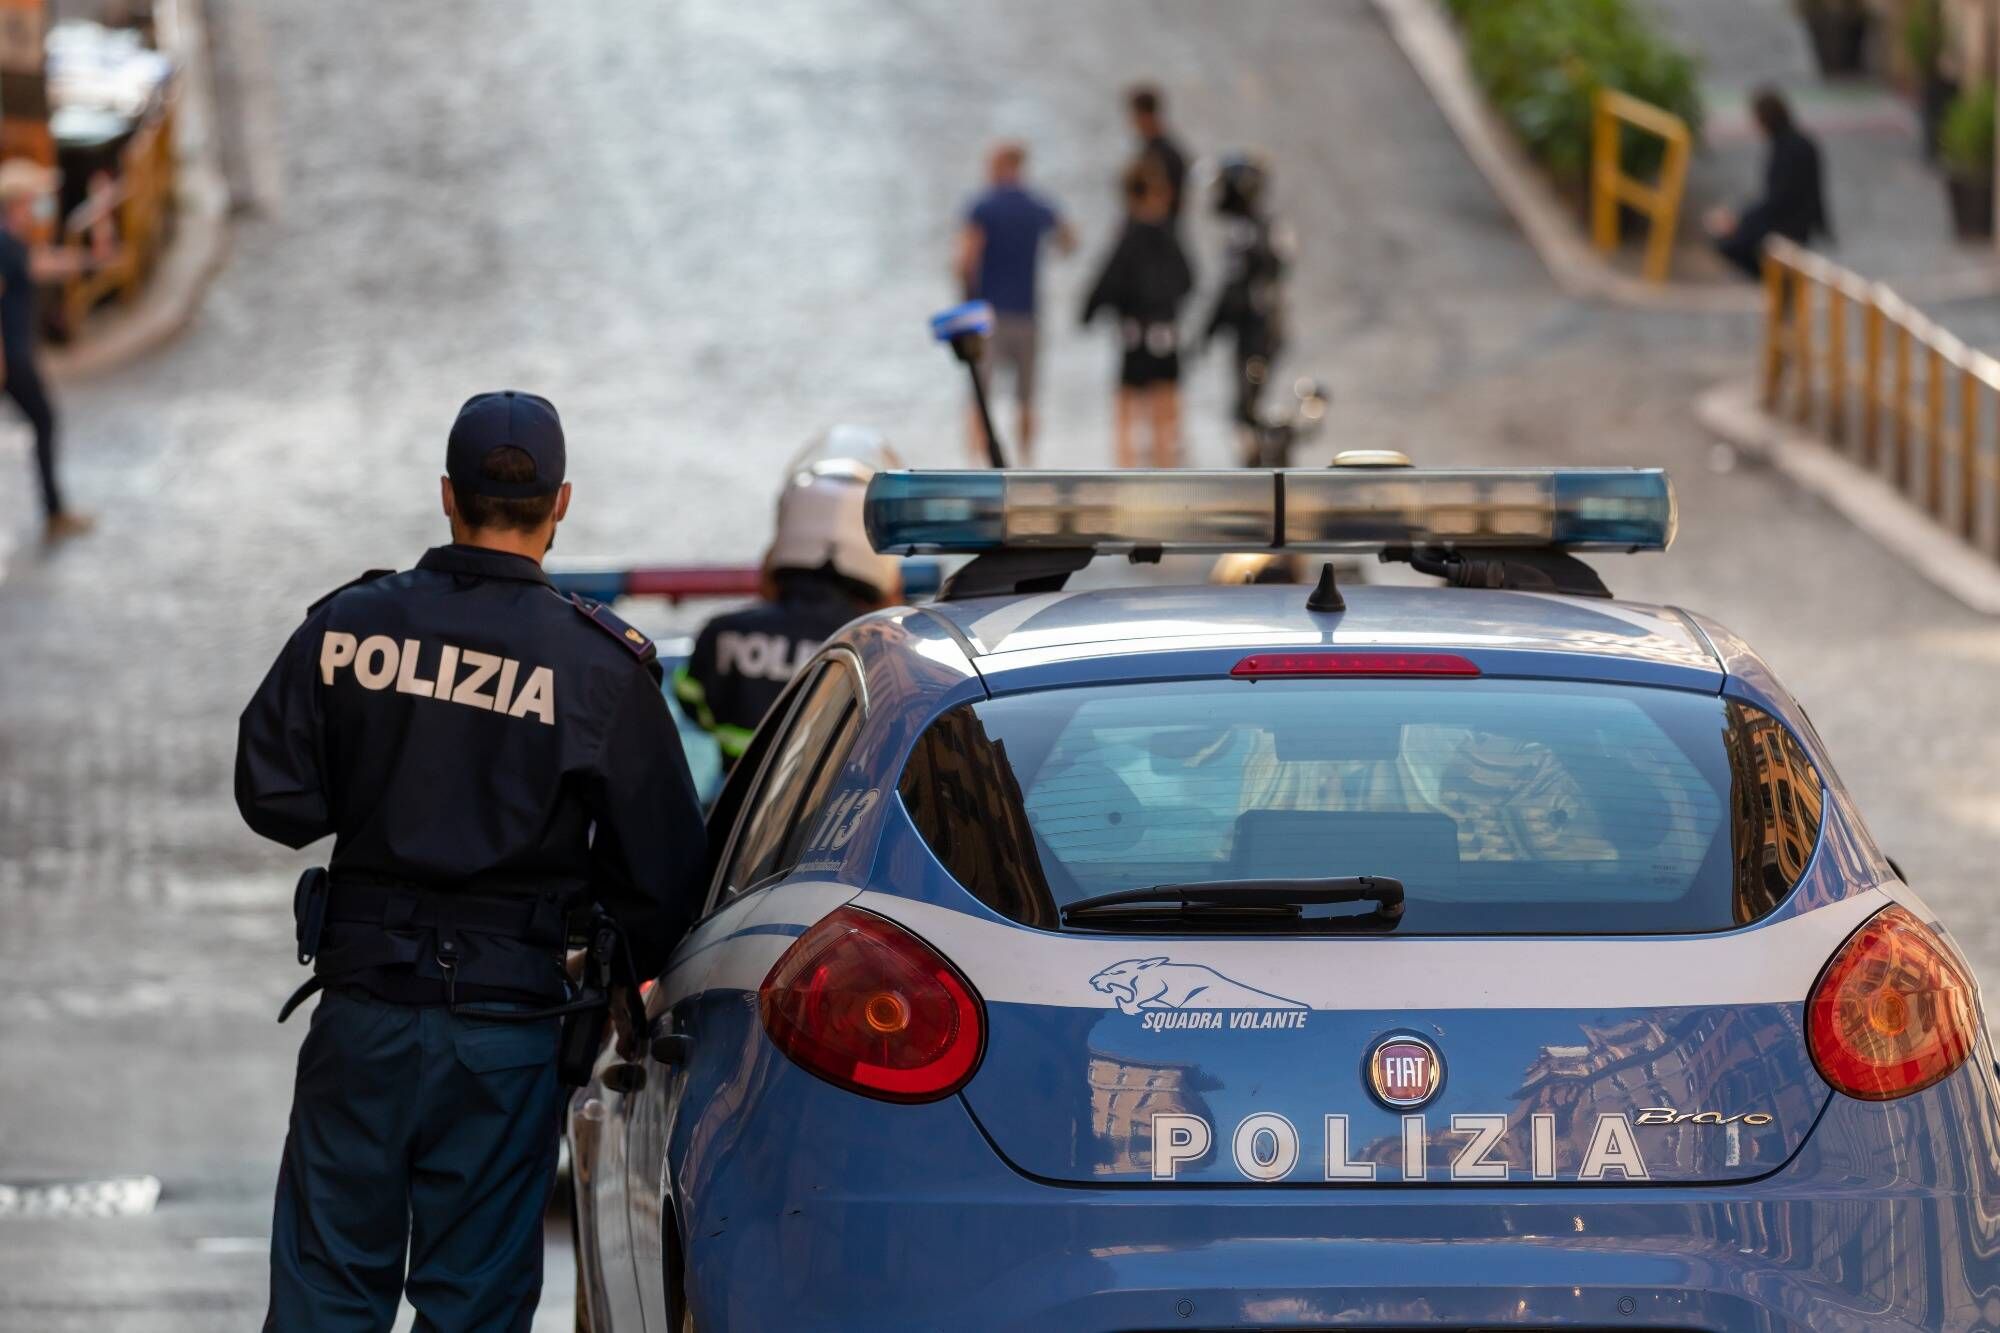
[(1892, 1013), (863, 1003), (1355, 664)]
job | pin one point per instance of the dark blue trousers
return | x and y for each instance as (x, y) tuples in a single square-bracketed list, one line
[(420, 1140)]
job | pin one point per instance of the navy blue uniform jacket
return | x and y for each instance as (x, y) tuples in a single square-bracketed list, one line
[(462, 726)]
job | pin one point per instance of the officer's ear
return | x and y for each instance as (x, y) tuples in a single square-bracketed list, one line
[(562, 503), (450, 500)]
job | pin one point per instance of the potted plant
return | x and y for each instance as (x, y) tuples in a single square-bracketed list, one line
[(1965, 146), (1923, 46), (1839, 32)]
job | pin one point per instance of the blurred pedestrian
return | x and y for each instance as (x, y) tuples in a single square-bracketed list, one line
[(27, 192), (1157, 146), (1250, 304), (1144, 283), (1794, 201), (999, 256)]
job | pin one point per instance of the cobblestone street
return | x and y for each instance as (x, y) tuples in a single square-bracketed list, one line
[(708, 230)]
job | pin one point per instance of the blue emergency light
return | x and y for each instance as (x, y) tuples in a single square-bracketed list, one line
[(1295, 509), (967, 318)]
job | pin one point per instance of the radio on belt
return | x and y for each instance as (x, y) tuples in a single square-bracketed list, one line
[(1335, 509)]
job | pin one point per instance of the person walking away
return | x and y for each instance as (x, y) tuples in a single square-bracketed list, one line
[(822, 572), (1794, 200), (1144, 283), (27, 191), (489, 756), (999, 256), (1157, 147), (1250, 304)]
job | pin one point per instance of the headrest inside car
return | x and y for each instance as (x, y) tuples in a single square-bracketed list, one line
[(1417, 847), (1338, 739)]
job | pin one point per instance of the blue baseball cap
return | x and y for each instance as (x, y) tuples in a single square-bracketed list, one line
[(489, 421)]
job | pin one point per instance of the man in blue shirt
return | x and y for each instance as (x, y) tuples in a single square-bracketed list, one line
[(999, 250)]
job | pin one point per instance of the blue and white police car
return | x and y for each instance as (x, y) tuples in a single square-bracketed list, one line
[(1488, 954)]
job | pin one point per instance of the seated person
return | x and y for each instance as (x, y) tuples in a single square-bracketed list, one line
[(1794, 201)]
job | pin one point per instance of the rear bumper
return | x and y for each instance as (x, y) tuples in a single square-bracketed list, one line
[(904, 1218)]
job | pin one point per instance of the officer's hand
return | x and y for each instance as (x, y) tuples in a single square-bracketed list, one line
[(621, 1023), (573, 964)]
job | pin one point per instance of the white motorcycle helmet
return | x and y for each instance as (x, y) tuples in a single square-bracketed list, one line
[(854, 444), (819, 510)]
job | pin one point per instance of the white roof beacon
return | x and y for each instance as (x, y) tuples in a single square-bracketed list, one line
[(1475, 527)]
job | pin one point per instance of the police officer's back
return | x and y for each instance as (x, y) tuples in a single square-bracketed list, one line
[(821, 573), (489, 756)]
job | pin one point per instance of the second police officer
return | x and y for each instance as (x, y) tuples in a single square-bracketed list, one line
[(489, 756), (820, 573)]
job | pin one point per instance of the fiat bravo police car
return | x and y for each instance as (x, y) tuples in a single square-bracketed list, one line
[(1273, 957)]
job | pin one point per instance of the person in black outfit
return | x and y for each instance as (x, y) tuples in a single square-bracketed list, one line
[(1249, 306), (1794, 201), (26, 188), (1157, 147), (1144, 283), (489, 756)]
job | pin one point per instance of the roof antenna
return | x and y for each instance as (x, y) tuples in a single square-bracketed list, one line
[(1326, 597)]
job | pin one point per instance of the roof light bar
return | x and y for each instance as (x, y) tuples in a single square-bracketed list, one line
[(1349, 509)]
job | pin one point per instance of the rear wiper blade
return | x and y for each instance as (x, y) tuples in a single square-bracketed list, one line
[(1245, 901)]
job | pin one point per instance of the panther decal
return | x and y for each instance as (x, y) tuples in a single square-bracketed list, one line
[(1140, 984)]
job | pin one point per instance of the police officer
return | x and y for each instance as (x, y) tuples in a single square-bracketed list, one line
[(821, 572), (488, 755)]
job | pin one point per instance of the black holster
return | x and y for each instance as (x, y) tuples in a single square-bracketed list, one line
[(585, 1015), (583, 1030), (309, 913)]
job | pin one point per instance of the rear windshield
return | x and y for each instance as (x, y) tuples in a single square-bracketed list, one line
[(1505, 807)]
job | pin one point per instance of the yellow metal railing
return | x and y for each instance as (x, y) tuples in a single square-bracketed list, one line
[(1659, 201), (112, 240), (1842, 357)]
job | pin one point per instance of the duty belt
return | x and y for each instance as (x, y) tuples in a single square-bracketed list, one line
[(510, 943)]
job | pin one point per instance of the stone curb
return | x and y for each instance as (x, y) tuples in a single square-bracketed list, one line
[(1430, 41), (201, 229), (1732, 412)]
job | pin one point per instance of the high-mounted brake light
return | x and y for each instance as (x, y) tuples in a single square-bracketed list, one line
[(1332, 509), (1893, 1012), (1353, 664), (864, 1004)]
